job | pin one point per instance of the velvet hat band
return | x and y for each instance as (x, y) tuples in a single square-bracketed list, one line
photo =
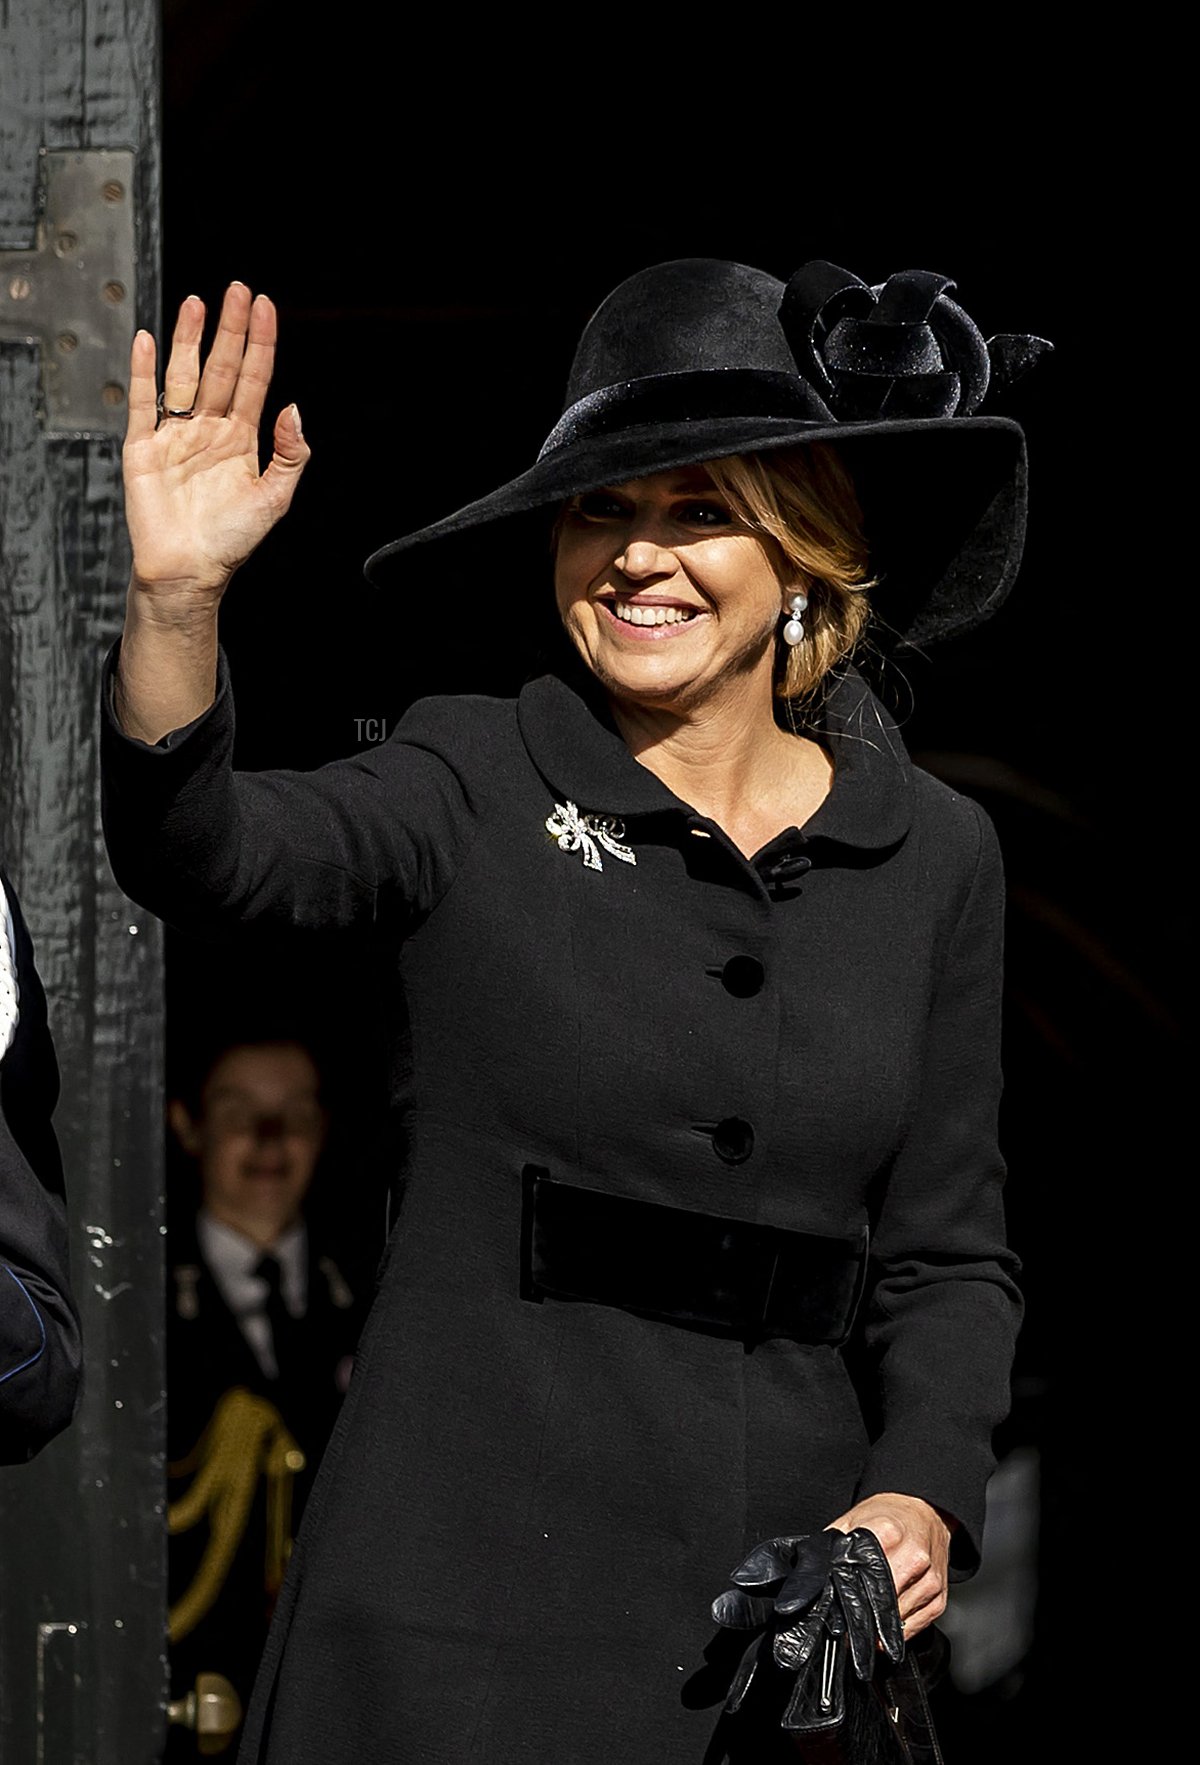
[(686, 397)]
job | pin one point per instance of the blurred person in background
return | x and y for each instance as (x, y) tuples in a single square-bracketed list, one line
[(261, 1330)]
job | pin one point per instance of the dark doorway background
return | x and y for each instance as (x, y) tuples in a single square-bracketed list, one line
[(435, 237)]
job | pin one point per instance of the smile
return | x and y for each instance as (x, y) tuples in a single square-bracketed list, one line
[(641, 620)]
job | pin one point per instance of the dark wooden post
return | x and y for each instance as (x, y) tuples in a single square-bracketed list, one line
[(82, 1543)]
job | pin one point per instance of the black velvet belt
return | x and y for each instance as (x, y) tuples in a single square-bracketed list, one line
[(727, 1276)]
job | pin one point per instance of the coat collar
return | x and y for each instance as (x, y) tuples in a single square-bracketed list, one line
[(572, 741)]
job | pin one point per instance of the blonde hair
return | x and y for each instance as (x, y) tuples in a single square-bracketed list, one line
[(802, 500)]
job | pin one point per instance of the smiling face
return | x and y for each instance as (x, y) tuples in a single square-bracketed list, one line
[(668, 597), (257, 1138)]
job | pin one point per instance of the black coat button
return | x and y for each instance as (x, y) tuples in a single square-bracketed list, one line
[(786, 871), (743, 976), (733, 1139)]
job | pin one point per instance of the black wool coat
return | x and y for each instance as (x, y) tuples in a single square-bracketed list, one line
[(40, 1353), (530, 1500)]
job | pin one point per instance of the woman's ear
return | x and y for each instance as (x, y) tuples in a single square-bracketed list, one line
[(183, 1127)]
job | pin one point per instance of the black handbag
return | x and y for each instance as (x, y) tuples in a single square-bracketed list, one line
[(822, 1609)]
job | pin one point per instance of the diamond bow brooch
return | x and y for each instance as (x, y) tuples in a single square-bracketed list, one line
[(574, 832)]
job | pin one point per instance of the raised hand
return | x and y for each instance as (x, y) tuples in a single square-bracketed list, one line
[(195, 500), (196, 503)]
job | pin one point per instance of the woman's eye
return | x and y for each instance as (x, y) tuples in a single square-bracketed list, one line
[(594, 505), (706, 515)]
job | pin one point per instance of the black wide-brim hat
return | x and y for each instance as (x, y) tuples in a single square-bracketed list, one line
[(699, 359)]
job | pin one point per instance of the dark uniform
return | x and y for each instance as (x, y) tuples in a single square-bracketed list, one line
[(40, 1353), (208, 1355), (614, 1039)]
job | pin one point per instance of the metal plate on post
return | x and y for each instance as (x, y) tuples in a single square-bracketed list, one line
[(73, 294)]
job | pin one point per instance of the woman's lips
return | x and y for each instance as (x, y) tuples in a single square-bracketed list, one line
[(676, 618)]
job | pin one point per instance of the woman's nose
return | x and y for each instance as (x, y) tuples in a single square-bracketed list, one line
[(642, 558)]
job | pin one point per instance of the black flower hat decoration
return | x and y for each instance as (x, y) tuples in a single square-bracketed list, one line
[(902, 348)]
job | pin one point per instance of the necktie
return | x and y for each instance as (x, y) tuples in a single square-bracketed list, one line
[(283, 1325)]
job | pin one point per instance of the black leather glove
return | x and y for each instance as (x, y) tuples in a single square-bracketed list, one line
[(806, 1599)]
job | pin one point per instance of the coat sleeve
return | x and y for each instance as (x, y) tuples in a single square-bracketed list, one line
[(40, 1353), (943, 1314), (369, 840)]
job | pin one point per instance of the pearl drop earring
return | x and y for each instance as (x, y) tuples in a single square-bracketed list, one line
[(793, 631)]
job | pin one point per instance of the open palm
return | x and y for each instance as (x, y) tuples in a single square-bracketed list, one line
[(195, 500)]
